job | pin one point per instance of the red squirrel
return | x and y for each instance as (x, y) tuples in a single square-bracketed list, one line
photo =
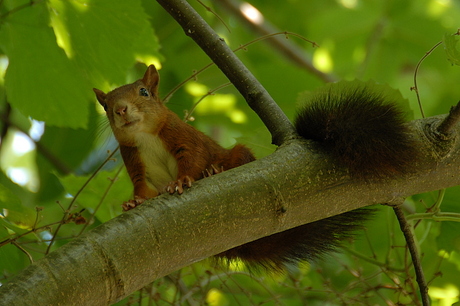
[(357, 128), (160, 151)]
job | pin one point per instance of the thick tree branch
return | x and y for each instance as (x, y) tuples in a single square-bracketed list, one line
[(293, 186), (215, 47)]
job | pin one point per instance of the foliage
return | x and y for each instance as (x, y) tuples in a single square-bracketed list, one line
[(53, 52)]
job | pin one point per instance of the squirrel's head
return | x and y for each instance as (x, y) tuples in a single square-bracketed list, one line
[(134, 108)]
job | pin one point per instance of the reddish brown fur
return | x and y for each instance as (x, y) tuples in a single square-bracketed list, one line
[(193, 151)]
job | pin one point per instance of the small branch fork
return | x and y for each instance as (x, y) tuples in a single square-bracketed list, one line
[(448, 124)]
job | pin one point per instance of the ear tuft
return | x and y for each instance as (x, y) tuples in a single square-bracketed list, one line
[(100, 95), (151, 79)]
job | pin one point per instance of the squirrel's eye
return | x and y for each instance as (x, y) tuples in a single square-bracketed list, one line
[(104, 105), (143, 92)]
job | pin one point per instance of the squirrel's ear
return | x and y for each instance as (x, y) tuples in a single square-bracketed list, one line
[(151, 79), (100, 95)]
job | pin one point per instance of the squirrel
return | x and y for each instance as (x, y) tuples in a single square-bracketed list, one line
[(357, 128)]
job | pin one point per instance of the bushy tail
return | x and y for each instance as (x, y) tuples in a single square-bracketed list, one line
[(361, 131), (306, 242)]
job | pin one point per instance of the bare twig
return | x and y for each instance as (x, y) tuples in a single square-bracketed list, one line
[(188, 115), (33, 230), (215, 14), (66, 212), (215, 47), (23, 250), (101, 200), (415, 88), (192, 77), (242, 47), (18, 8), (417, 263)]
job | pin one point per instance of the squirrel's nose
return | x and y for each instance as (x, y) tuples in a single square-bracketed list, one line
[(122, 110)]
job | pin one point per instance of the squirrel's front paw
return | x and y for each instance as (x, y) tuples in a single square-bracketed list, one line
[(133, 203), (184, 181)]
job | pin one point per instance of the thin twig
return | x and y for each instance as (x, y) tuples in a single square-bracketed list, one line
[(417, 263), (101, 200), (242, 47), (415, 87), (75, 198), (33, 230), (18, 8), (371, 260), (209, 93), (215, 14), (23, 250), (192, 77)]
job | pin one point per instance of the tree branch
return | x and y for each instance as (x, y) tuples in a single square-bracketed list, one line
[(170, 232), (215, 47)]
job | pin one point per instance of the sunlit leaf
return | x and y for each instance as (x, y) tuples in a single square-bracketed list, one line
[(41, 81), (452, 49)]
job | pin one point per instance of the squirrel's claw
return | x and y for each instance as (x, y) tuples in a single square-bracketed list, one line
[(133, 203), (214, 170), (178, 186)]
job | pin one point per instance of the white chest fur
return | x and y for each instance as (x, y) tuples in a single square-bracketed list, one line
[(160, 165)]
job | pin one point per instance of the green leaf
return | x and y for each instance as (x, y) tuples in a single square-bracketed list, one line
[(449, 239), (452, 51), (68, 148), (7, 198), (49, 87), (71, 57), (104, 42), (13, 211), (12, 260)]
